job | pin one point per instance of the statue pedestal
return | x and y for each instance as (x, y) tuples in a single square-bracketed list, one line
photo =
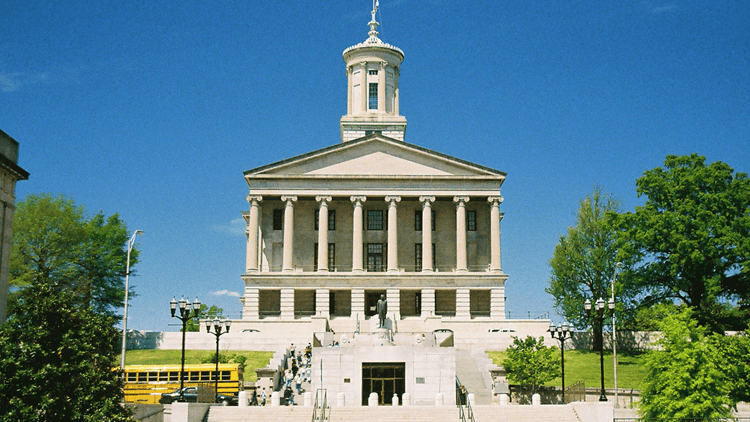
[(375, 324), (381, 337)]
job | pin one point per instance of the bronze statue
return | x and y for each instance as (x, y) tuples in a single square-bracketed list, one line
[(382, 309)]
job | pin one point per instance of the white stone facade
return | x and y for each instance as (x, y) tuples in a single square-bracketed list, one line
[(10, 173), (329, 231)]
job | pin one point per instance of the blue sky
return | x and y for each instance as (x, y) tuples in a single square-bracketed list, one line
[(154, 109)]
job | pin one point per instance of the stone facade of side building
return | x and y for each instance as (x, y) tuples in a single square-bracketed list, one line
[(10, 173)]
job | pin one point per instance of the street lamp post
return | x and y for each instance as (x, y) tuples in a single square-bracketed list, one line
[(611, 304), (219, 330), (131, 241), (598, 313), (184, 316), (561, 333)]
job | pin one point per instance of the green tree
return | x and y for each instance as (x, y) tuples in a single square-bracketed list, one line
[(734, 352), (205, 313), (583, 263), (54, 242), (691, 240), (684, 380), (56, 360), (530, 363)]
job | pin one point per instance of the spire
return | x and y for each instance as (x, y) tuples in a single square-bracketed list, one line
[(374, 24)]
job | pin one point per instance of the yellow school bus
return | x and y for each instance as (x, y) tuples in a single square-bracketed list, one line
[(146, 383)]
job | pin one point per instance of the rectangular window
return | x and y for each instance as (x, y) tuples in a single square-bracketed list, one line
[(375, 257), (373, 103), (374, 219), (278, 219), (331, 220), (372, 72), (418, 220), (418, 256), (471, 220), (331, 257)]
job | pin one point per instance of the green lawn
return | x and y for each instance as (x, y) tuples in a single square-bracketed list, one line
[(174, 357), (584, 365)]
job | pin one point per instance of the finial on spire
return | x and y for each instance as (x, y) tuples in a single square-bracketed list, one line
[(373, 23)]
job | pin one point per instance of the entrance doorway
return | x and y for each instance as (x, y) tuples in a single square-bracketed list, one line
[(386, 379)]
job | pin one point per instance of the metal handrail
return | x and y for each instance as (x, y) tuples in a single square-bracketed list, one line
[(468, 415), (325, 410)]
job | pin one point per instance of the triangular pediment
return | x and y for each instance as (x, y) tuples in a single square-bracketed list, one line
[(374, 155)]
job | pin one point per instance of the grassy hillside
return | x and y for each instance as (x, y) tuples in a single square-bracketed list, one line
[(173, 357), (584, 365)]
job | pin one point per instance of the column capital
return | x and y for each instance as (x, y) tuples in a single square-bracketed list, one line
[(323, 199), (289, 199), (392, 199), (254, 199), (460, 199), (358, 198), (426, 199), (495, 199)]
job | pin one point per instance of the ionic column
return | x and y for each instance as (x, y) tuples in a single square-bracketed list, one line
[(287, 303), (287, 264), (392, 233), (357, 226), (323, 233), (427, 232), (251, 261), (461, 232), (495, 217), (428, 302), (322, 302), (381, 88)]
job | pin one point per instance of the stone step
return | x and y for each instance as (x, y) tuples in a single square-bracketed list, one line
[(338, 414), (493, 413), (468, 372)]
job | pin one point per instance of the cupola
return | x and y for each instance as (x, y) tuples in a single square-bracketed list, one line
[(372, 70)]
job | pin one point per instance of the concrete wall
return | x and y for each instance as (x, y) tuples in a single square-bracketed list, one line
[(274, 335), (433, 367)]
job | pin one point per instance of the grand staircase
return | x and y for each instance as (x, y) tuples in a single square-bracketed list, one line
[(486, 413)]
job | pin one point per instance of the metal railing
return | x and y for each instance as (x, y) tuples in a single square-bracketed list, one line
[(321, 410), (462, 400), (575, 392)]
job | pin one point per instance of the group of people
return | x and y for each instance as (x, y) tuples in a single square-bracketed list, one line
[(299, 370)]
